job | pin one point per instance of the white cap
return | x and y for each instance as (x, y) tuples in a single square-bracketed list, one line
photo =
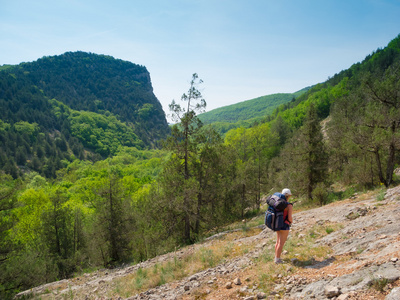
[(286, 192)]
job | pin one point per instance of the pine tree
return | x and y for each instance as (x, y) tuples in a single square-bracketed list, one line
[(184, 145), (316, 156), (304, 159), (57, 231), (113, 220)]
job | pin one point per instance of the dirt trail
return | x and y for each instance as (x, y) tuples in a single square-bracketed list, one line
[(364, 262)]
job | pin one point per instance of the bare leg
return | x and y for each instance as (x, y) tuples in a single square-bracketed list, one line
[(281, 237)]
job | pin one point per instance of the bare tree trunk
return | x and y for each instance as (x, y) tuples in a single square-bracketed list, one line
[(390, 164), (243, 198), (378, 162), (187, 229)]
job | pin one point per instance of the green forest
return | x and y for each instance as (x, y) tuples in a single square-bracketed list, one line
[(247, 113), (88, 183), (75, 105)]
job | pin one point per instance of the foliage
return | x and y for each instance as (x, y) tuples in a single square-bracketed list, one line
[(253, 150), (183, 143), (302, 163), (65, 226), (246, 113), (98, 83), (103, 134), (98, 104), (255, 109), (371, 116), (379, 284), (320, 194)]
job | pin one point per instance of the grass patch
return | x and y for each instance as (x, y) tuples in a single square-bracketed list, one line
[(228, 249), (267, 255), (266, 280), (379, 284), (303, 252), (140, 278), (381, 195), (332, 227), (207, 257), (360, 250), (334, 196), (329, 230), (200, 259), (247, 227)]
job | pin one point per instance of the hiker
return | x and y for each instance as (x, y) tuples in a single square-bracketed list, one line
[(282, 234)]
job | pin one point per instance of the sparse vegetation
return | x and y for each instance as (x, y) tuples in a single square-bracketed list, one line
[(379, 284), (180, 267), (381, 195), (329, 230)]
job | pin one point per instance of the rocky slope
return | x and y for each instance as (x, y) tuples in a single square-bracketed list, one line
[(363, 261)]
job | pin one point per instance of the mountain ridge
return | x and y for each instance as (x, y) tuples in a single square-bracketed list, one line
[(99, 88), (255, 108)]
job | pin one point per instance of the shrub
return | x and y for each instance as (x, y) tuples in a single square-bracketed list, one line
[(320, 194)]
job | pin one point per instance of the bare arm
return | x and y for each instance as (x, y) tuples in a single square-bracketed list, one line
[(290, 212)]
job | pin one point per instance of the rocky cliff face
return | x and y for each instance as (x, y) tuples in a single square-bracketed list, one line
[(362, 261)]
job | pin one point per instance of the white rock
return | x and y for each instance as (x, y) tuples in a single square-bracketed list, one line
[(332, 291), (343, 297), (194, 277), (261, 295)]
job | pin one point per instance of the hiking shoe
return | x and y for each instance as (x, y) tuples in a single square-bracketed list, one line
[(278, 261)]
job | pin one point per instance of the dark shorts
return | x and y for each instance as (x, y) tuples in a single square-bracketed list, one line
[(285, 226)]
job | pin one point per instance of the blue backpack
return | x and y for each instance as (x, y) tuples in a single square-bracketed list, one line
[(274, 215)]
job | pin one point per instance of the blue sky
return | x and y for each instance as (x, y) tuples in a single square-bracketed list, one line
[(242, 49)]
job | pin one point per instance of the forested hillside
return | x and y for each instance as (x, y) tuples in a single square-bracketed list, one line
[(339, 137), (246, 113), (76, 104)]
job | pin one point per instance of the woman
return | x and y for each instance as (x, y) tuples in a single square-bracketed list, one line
[(282, 235)]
